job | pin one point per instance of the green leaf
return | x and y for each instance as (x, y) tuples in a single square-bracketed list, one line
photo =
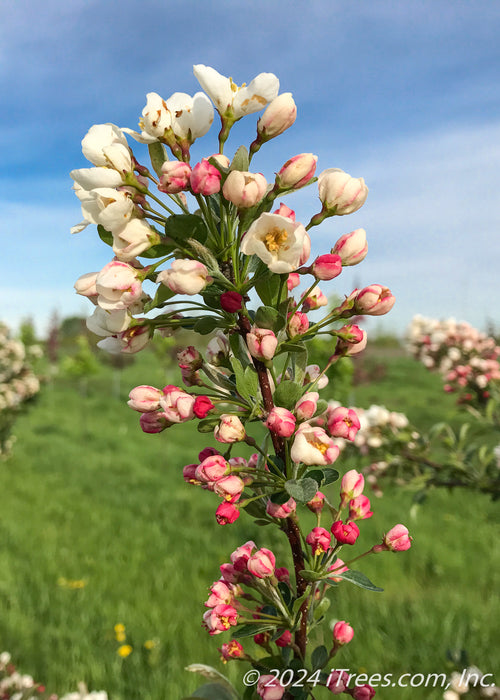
[(358, 579), (310, 575), (158, 251), (206, 324), (268, 289), (330, 476), (276, 465), (303, 490), (256, 509), (262, 523), (299, 359), (297, 604), (247, 381), (163, 293), (180, 227), (280, 497), (240, 160), (287, 394), (270, 318), (319, 657), (317, 475), (104, 235), (321, 407), (252, 382), (250, 630), (158, 156), (285, 592), (207, 425), (321, 608)]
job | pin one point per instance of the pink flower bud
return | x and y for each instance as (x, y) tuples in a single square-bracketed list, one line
[(363, 692), (231, 650), (316, 503), (185, 277), (374, 300), (340, 192), (326, 267), (227, 513), (342, 633), (281, 510), (269, 688), (189, 474), (189, 358), (262, 343), (283, 210), (344, 423), (293, 280), (397, 539), (298, 324), (345, 533), (352, 247), (229, 487), (314, 300), (231, 301), (221, 593), (319, 539), (262, 563), (305, 408), (337, 682), (296, 172), (85, 285), (281, 421), (145, 398), (262, 638), (230, 429), (285, 640), (220, 618), (242, 554), (337, 567), (244, 189), (283, 575), (202, 406), (279, 115), (312, 446), (355, 342), (175, 177), (176, 404), (306, 249), (207, 452), (118, 286), (153, 422), (359, 508), (212, 468), (205, 178)]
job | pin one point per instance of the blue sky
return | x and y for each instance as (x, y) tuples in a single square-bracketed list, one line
[(405, 94)]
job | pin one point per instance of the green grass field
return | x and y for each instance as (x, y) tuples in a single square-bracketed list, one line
[(97, 527)]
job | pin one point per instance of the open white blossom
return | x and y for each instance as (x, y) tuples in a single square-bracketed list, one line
[(277, 241), (99, 137)]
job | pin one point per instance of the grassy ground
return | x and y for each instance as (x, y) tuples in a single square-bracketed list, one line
[(97, 528)]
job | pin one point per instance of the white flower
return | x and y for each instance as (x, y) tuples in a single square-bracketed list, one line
[(234, 101), (90, 178), (106, 323), (277, 241), (97, 138), (191, 117), (109, 207), (133, 239), (118, 286), (185, 277)]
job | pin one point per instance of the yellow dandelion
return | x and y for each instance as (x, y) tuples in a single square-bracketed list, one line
[(120, 636), (124, 650), (150, 644), (119, 627)]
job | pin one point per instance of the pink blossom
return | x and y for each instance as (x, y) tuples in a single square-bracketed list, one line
[(359, 508), (319, 539), (262, 563), (337, 682), (345, 533), (85, 285), (397, 539), (202, 406), (294, 277), (227, 513), (326, 267), (282, 574), (298, 324), (205, 178), (221, 593), (189, 474), (117, 286), (353, 341), (153, 422), (269, 688), (242, 554), (231, 301), (312, 446), (229, 487), (338, 567), (189, 358), (363, 692), (316, 503), (281, 421), (285, 640), (374, 300), (231, 650), (343, 422), (185, 277), (296, 172), (212, 468), (220, 618), (283, 210), (278, 116), (314, 300), (352, 247), (262, 343), (175, 177), (281, 510), (177, 404), (340, 192), (305, 408), (145, 398), (207, 452), (244, 189), (352, 485), (312, 373), (342, 633), (230, 429)]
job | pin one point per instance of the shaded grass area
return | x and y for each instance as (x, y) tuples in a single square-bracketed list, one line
[(89, 498)]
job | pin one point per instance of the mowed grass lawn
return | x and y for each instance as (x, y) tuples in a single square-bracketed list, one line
[(97, 527)]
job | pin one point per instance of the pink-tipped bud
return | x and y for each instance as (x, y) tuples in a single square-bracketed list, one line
[(205, 178), (319, 539), (227, 513), (316, 503), (212, 468), (354, 342), (340, 193), (345, 533), (352, 247), (229, 487), (262, 563), (230, 429), (154, 422), (145, 398), (306, 407), (342, 633), (244, 189), (285, 640), (279, 115), (293, 279), (185, 277), (86, 285), (397, 539), (283, 210), (359, 508), (174, 177), (296, 172), (363, 692), (298, 324), (337, 682), (281, 510), (176, 404), (281, 421), (221, 593), (343, 422), (326, 267), (374, 300), (269, 688), (314, 300), (231, 302), (262, 343), (352, 485)]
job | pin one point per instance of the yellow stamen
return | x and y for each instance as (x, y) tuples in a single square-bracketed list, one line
[(274, 239)]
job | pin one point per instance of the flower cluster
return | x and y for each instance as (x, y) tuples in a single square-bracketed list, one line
[(18, 383), (467, 359), (198, 271)]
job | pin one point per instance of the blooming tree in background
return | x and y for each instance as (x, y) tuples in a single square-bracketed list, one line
[(222, 255)]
